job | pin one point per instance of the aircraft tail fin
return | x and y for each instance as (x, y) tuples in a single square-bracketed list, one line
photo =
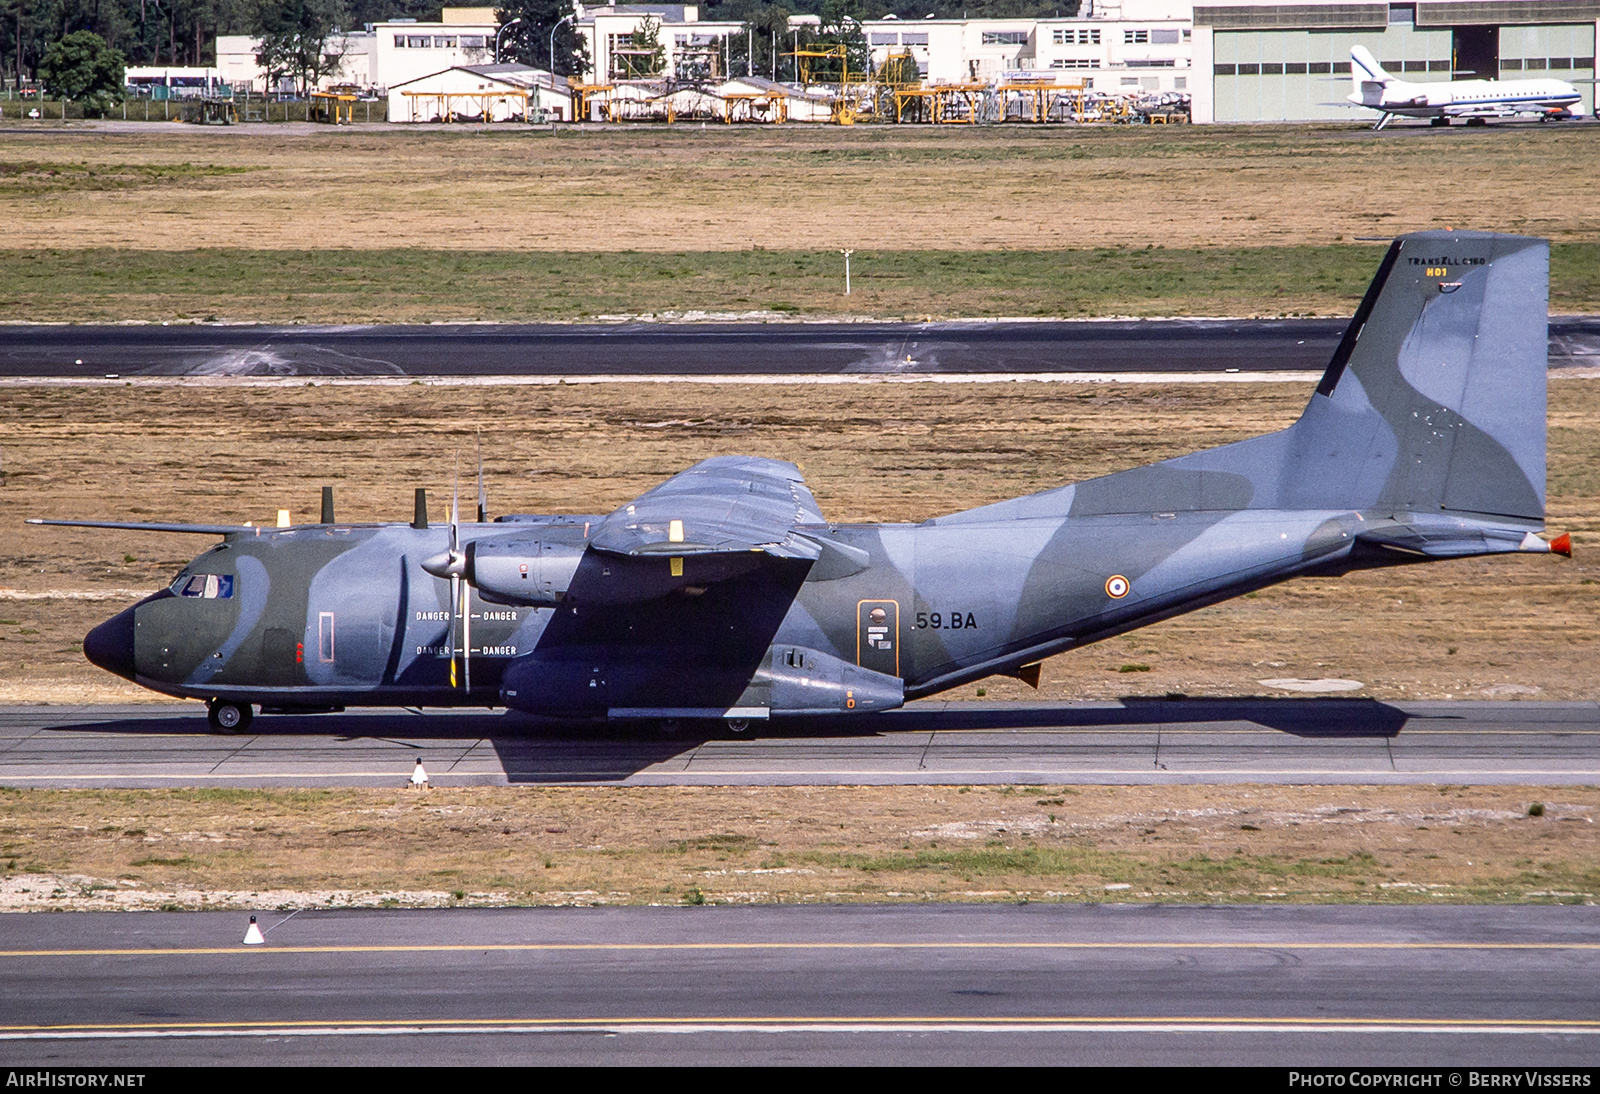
[(1364, 69), (1435, 397), (1433, 404)]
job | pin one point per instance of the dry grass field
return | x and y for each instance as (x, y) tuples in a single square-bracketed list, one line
[(106, 221), (667, 845), (1502, 627), (713, 189)]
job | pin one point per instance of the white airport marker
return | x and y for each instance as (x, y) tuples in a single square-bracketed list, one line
[(253, 936), (419, 777)]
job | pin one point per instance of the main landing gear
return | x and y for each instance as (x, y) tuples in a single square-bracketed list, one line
[(227, 716)]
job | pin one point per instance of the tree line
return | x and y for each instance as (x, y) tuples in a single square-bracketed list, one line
[(300, 38)]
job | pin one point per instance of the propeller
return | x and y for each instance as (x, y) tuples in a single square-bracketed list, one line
[(452, 563)]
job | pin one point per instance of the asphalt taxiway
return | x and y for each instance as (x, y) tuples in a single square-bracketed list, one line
[(679, 349), (951, 984), (701, 349), (1135, 741)]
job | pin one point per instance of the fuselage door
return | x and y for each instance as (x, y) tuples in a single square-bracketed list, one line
[(878, 636)]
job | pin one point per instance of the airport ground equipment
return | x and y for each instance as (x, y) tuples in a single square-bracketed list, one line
[(725, 593)]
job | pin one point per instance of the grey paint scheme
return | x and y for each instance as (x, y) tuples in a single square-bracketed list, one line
[(725, 592)]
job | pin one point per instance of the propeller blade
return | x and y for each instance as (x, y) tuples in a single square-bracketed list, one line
[(455, 600), (483, 495), (466, 633)]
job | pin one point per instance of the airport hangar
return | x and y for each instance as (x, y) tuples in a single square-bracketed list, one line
[(1266, 62)]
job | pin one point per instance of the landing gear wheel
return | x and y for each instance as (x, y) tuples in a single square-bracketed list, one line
[(740, 729), (668, 728), (1440, 121), (229, 717)]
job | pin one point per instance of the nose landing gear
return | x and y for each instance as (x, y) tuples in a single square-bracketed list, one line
[(227, 716)]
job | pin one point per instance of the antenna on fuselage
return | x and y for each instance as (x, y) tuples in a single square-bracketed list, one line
[(419, 518), (327, 505)]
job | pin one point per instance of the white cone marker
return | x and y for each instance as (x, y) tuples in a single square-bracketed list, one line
[(419, 777), (253, 936)]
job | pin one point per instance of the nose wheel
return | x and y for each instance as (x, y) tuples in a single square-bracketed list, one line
[(226, 716)]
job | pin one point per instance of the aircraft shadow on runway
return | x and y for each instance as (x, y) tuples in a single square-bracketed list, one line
[(541, 750)]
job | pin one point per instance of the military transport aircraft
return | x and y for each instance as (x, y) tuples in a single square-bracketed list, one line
[(1441, 100), (724, 593)]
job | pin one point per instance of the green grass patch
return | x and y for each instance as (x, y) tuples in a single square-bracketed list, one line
[(32, 177), (406, 285)]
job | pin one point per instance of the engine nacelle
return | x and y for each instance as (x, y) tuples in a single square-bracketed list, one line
[(523, 571)]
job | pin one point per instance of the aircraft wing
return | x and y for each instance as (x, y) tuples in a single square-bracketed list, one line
[(151, 526), (723, 505)]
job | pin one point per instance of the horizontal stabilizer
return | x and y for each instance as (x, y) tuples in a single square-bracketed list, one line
[(1447, 538)]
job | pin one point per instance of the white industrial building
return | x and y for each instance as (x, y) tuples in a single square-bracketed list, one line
[(383, 56), (488, 93), (691, 49), (1139, 45)]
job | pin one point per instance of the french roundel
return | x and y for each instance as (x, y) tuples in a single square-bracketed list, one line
[(1116, 586)]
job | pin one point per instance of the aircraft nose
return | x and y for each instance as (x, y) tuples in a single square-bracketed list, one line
[(110, 645)]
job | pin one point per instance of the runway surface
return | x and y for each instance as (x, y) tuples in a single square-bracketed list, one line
[(1292, 741), (952, 984), (702, 349)]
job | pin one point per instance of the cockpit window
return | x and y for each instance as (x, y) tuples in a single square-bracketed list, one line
[(206, 586)]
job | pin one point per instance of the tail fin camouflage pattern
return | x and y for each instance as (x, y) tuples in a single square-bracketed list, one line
[(1434, 401)]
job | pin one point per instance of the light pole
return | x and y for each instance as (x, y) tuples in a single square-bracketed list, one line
[(847, 255), (563, 19), (505, 27)]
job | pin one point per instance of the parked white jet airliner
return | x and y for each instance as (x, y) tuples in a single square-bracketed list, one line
[(1442, 100)]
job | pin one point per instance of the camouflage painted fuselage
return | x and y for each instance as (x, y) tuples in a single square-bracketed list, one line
[(725, 592)]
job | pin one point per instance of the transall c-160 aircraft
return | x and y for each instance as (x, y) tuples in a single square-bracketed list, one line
[(724, 593)]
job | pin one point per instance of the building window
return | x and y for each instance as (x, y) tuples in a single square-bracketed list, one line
[(1135, 37), (917, 38), (1402, 14), (417, 41), (1067, 36), (1222, 70), (1130, 81), (1249, 70), (1180, 83), (399, 41), (473, 41), (1319, 68), (881, 39), (444, 43), (1270, 69), (1005, 37), (1164, 37), (1073, 62), (1295, 68), (1158, 64)]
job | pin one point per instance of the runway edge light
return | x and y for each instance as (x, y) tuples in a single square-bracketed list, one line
[(253, 936)]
